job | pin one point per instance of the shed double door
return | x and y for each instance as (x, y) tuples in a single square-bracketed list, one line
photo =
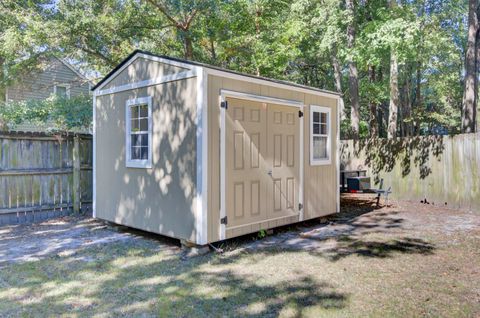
[(262, 163)]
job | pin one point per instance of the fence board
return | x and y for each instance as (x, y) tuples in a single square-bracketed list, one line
[(444, 170), (36, 175)]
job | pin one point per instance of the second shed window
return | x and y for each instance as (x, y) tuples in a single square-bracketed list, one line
[(320, 135)]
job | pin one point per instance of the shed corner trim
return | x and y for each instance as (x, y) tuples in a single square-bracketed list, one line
[(201, 217)]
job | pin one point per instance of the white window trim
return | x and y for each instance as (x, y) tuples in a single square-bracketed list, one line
[(67, 86), (328, 160), (138, 163)]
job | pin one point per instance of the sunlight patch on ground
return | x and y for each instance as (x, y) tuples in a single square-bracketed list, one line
[(389, 263)]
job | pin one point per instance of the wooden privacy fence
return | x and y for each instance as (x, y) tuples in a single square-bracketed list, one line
[(444, 170), (43, 175)]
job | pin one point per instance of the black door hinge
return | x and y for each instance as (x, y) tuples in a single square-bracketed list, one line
[(300, 207), (224, 220), (300, 114), (224, 104)]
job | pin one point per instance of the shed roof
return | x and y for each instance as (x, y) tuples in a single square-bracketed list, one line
[(208, 66)]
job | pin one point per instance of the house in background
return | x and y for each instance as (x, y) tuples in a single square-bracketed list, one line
[(55, 76)]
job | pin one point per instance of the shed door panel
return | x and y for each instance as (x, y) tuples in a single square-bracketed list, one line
[(262, 162), (246, 166), (284, 154)]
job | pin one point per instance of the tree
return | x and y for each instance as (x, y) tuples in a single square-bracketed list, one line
[(394, 97), (352, 70), (337, 73), (21, 38), (322, 43), (55, 113), (181, 14), (373, 105), (470, 98)]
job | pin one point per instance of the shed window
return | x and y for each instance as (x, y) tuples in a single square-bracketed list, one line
[(320, 135), (139, 132)]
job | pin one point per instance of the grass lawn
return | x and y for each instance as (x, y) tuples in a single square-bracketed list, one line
[(408, 260)]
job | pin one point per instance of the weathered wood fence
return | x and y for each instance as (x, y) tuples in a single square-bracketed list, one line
[(444, 170), (43, 176)]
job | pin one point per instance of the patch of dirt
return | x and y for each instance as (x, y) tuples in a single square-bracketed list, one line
[(62, 237), (402, 260), (361, 228), (404, 223)]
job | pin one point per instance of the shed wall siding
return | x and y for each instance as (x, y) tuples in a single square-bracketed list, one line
[(140, 70), (161, 199), (320, 182), (40, 84)]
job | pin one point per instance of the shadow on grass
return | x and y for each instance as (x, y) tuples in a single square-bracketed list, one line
[(142, 278), (362, 229), (347, 246), (134, 280)]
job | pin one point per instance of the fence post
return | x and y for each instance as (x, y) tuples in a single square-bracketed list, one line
[(76, 174)]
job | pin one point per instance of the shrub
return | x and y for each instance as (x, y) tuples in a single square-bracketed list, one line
[(53, 113)]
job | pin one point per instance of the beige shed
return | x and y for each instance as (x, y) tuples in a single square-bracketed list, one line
[(204, 154)]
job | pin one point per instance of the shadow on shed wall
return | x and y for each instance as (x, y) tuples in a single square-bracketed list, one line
[(161, 199)]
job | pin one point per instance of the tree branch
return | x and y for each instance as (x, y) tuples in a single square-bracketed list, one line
[(164, 10), (97, 54), (190, 19)]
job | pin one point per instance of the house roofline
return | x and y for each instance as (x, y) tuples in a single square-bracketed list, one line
[(72, 68)]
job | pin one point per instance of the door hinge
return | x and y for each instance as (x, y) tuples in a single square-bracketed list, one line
[(300, 207), (224, 104), (224, 220), (300, 114)]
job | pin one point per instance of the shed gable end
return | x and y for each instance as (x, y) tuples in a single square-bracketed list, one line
[(142, 69)]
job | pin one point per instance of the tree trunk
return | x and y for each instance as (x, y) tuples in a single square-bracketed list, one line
[(337, 73), (2, 82), (182, 24), (418, 97), (393, 106), (469, 106), (352, 71), (188, 46), (477, 67), (408, 104), (373, 106), (212, 50), (258, 15)]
